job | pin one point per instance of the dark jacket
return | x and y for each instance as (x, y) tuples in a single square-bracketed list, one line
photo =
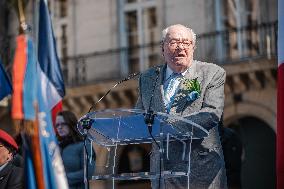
[(11, 177)]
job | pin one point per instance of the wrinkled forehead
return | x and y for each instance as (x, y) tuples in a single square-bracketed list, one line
[(179, 33)]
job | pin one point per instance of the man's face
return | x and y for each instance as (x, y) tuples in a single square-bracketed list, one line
[(5, 154), (178, 48)]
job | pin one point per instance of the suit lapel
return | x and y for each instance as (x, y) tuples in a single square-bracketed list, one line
[(158, 99)]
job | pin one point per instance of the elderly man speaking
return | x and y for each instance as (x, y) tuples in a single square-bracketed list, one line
[(204, 105)]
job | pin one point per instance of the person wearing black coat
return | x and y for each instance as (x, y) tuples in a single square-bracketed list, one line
[(11, 176)]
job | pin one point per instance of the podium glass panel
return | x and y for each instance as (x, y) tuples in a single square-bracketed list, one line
[(113, 129)]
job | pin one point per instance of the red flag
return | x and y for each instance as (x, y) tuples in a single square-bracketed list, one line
[(57, 108), (19, 70), (280, 99)]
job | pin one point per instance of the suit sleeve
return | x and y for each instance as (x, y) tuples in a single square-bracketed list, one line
[(214, 94), (213, 103)]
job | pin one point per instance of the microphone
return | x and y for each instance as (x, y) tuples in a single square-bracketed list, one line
[(86, 122), (149, 115), (131, 76)]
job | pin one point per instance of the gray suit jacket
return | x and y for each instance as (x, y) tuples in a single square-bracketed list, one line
[(207, 162)]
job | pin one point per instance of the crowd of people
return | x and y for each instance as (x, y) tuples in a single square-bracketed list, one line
[(72, 148)]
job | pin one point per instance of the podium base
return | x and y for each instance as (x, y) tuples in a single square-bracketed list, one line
[(139, 176)]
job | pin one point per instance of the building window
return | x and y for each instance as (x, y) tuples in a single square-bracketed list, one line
[(64, 51), (244, 17), (63, 5), (141, 33), (130, 1)]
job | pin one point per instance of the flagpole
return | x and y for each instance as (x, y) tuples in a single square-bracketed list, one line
[(30, 128), (37, 154), (23, 24)]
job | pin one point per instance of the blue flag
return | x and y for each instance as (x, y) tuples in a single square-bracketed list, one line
[(5, 85), (30, 177)]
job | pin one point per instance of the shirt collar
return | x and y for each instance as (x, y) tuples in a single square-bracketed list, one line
[(3, 166), (169, 72)]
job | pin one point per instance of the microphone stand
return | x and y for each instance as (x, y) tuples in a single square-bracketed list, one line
[(131, 76), (149, 117), (86, 124)]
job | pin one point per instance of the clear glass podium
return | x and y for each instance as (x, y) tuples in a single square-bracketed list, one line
[(119, 127)]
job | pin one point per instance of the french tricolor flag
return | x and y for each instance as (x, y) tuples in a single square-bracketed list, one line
[(52, 84), (280, 98)]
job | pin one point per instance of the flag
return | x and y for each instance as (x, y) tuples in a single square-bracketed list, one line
[(52, 84), (37, 87), (5, 85), (24, 104), (29, 169), (24, 80), (280, 99), (50, 93), (54, 173)]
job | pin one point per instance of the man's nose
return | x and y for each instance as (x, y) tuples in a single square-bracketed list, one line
[(180, 45)]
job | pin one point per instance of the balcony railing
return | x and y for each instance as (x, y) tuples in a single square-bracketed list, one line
[(223, 47), (236, 45)]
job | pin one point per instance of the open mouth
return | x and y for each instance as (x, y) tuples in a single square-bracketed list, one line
[(180, 55)]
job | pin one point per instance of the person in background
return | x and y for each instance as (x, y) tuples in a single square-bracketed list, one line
[(72, 149), (233, 150), (11, 176)]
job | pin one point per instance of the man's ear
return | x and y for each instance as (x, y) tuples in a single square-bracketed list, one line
[(163, 50), (10, 156), (162, 47)]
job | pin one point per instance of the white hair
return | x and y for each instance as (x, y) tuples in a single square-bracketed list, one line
[(166, 30)]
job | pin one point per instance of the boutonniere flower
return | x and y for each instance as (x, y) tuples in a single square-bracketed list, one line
[(193, 89)]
